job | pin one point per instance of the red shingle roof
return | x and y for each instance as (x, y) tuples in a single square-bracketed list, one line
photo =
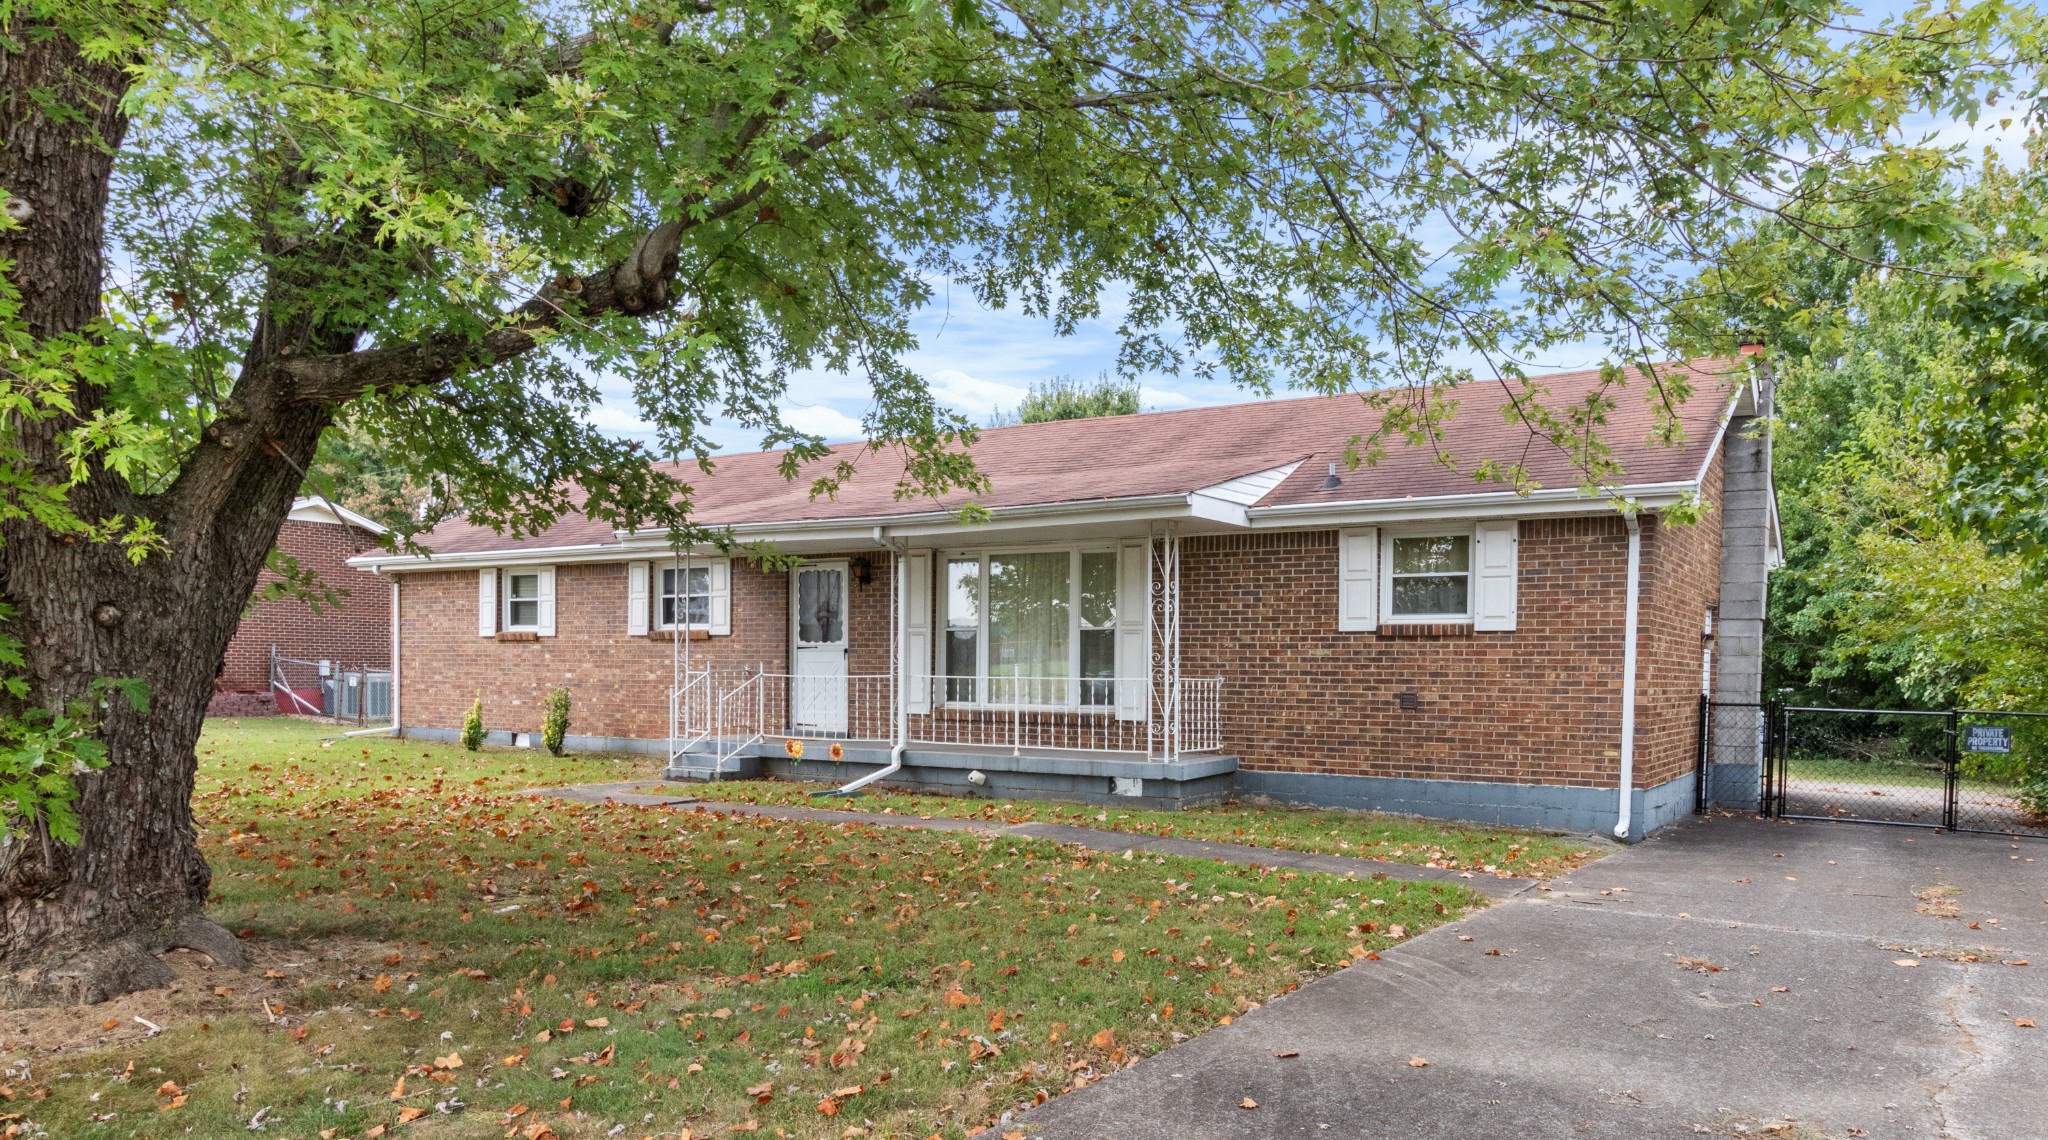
[(1174, 453)]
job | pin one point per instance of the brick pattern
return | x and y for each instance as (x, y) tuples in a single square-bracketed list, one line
[(1537, 705), (1681, 578), (618, 682), (358, 633)]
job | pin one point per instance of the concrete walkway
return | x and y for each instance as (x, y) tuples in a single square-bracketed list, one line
[(646, 794), (1713, 981)]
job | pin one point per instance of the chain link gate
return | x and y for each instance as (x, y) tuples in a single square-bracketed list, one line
[(1956, 770), (1734, 740)]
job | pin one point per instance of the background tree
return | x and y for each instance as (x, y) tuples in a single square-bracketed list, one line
[(230, 225), (354, 469), (1065, 398)]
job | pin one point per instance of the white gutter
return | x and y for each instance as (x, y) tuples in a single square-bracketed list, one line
[(901, 730), (1626, 793)]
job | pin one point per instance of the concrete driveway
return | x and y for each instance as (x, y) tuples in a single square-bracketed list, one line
[(1716, 980)]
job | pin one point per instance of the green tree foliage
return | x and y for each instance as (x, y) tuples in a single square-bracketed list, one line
[(488, 210), (1064, 398), (1895, 592), (354, 469)]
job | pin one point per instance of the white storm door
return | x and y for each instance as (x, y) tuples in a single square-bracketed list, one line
[(817, 623)]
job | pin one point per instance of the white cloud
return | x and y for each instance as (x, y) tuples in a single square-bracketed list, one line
[(836, 426), (618, 416), (972, 394), (1163, 398)]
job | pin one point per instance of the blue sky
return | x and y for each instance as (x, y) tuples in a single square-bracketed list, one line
[(979, 361)]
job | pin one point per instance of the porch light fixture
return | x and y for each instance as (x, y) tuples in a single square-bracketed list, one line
[(1331, 480), (862, 570)]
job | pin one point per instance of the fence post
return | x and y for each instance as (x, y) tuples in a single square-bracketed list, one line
[(1773, 761), (1949, 781), (1700, 796)]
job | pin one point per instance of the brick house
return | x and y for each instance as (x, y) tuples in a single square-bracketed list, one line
[(355, 635), (1173, 607)]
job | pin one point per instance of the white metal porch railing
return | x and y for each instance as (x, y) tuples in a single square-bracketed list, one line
[(722, 714), (1078, 714)]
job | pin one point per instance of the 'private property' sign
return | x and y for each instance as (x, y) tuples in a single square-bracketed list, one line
[(1987, 738)]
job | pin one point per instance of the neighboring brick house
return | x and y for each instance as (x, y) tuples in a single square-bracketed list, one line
[(355, 635), (1175, 607)]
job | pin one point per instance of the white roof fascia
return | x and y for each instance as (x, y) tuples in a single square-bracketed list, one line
[(1488, 504), (314, 510), (383, 563), (931, 523), (1720, 437), (872, 531)]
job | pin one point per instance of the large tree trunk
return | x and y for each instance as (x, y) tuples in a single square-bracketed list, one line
[(84, 923)]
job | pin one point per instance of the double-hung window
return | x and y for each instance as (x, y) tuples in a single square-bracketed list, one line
[(1034, 628), (685, 597), (1429, 577), (522, 600)]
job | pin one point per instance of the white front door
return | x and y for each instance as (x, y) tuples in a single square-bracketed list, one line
[(817, 624)]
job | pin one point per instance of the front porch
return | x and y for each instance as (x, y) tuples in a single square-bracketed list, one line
[(1046, 664), (1094, 740)]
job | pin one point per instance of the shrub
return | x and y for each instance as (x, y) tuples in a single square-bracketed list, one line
[(554, 724), (473, 725)]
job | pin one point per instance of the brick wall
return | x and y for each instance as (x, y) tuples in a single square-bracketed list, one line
[(618, 682), (1681, 578), (1537, 705), (358, 633)]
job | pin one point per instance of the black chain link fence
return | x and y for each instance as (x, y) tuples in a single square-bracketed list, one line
[(1961, 770)]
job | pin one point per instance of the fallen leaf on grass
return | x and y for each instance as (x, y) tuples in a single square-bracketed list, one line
[(408, 1115), (1103, 1039)]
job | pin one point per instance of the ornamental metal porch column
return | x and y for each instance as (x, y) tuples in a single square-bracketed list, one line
[(1163, 622)]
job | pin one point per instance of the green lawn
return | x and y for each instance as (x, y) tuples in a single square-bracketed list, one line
[(1315, 830), (1827, 769), (434, 948)]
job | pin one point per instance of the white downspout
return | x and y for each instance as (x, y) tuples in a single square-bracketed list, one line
[(900, 730), (1626, 792)]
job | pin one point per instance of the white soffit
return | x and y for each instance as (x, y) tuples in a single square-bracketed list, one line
[(1248, 489)]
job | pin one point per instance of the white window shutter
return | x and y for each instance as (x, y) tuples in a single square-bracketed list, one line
[(1493, 575), (1133, 631), (721, 597), (487, 602), (547, 602), (636, 598), (917, 631), (1358, 579)]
